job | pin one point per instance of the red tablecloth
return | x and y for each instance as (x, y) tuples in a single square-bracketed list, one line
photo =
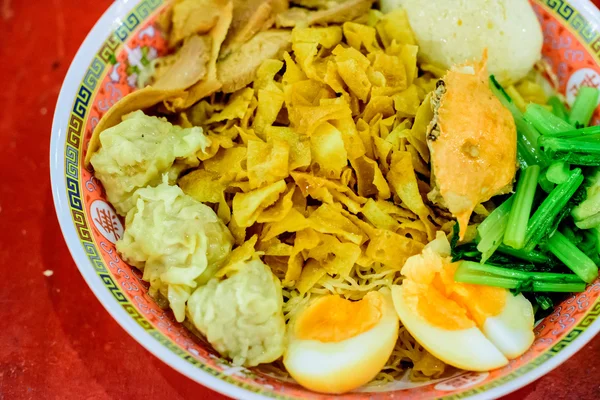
[(56, 340)]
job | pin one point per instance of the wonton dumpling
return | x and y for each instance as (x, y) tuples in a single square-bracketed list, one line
[(138, 151), (242, 315), (454, 32), (177, 241)]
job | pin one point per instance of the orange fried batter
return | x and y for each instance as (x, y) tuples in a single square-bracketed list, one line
[(472, 141)]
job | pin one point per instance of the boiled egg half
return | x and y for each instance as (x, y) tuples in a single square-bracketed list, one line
[(472, 327), (336, 345)]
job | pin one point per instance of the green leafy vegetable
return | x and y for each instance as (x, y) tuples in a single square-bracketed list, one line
[(573, 258), (484, 274), (587, 214), (558, 108), (584, 106), (527, 136), (579, 151), (558, 172), (514, 236), (544, 121), (491, 230), (542, 221)]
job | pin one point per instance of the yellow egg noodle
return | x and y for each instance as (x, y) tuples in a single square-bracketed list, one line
[(278, 156)]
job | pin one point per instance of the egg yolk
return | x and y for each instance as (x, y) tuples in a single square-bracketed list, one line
[(334, 319), (430, 289)]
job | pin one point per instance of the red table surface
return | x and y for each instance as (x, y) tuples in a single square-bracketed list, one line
[(56, 340)]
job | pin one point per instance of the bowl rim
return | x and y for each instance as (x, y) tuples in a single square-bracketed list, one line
[(109, 20)]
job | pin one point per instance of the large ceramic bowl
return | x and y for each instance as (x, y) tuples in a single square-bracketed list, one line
[(104, 70)]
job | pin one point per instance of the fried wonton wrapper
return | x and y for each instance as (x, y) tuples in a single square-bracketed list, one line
[(299, 145), (267, 162), (306, 239), (210, 83), (249, 18), (328, 219), (334, 256), (228, 163), (280, 209), (236, 107), (239, 68), (192, 17), (294, 221), (248, 206), (392, 249), (338, 13), (329, 155), (206, 187), (190, 65), (402, 178)]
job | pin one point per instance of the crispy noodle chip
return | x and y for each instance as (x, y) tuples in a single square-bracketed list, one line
[(299, 155), (352, 140), (328, 191), (407, 102), (189, 67), (248, 206), (352, 66), (192, 17), (327, 37), (383, 149), (294, 221), (270, 103), (361, 36), (210, 83), (392, 249), (237, 257), (378, 217), (333, 79), (267, 162), (206, 187), (265, 75), (203, 186), (383, 105), (408, 54), (328, 219), (228, 162), (395, 26), (238, 232), (311, 274), (275, 248), (335, 257), (293, 73), (280, 209), (370, 179), (236, 107), (329, 155), (392, 68), (364, 132), (419, 128), (216, 142), (402, 178), (306, 119), (306, 239)]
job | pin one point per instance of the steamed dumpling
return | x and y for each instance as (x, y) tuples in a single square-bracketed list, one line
[(454, 32), (242, 315), (177, 241), (138, 151)]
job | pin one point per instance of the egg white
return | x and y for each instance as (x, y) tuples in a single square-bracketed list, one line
[(511, 331), (464, 348), (338, 367)]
